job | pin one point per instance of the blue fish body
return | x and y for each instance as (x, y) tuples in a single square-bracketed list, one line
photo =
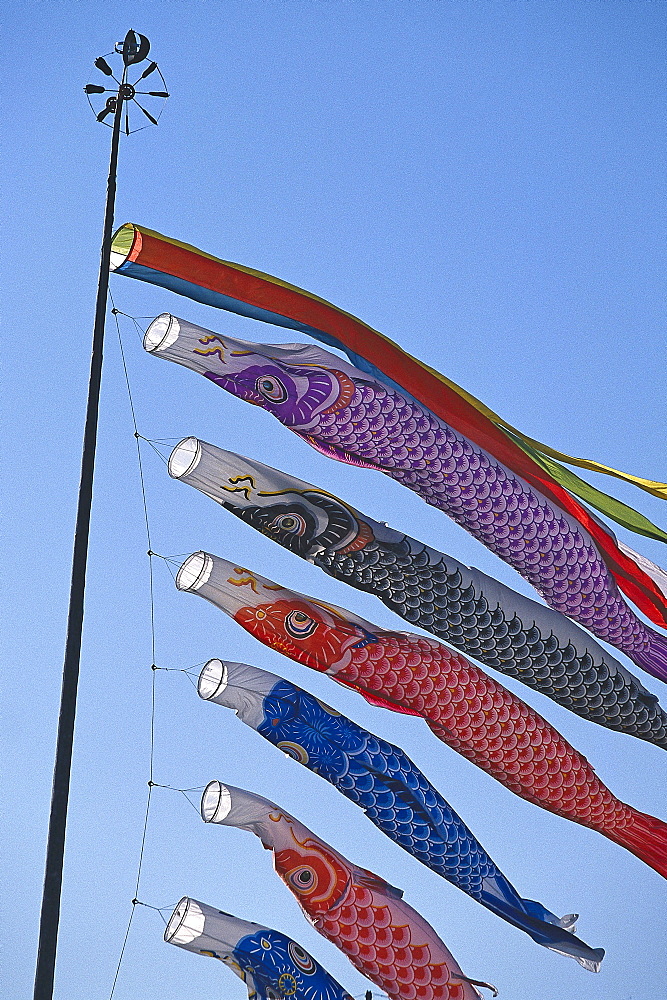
[(272, 965), (278, 967), (380, 778)]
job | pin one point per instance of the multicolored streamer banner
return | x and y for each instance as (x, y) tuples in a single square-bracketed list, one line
[(149, 256)]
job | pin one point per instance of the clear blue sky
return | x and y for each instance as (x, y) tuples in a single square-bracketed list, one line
[(484, 183)]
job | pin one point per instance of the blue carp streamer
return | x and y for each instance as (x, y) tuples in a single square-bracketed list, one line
[(380, 778), (272, 965)]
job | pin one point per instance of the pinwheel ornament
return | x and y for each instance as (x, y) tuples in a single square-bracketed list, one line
[(133, 50)]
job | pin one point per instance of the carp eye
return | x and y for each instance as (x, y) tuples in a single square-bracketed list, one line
[(302, 879), (293, 750), (301, 958), (291, 523), (300, 626), (271, 388)]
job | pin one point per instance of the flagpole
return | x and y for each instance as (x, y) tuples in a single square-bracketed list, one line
[(53, 874)]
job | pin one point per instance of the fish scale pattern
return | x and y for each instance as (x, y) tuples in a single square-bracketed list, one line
[(496, 506), (464, 707), (487, 724), (395, 795), (426, 588), (382, 779), (427, 595), (370, 424), (385, 953), (366, 918), (357, 910)]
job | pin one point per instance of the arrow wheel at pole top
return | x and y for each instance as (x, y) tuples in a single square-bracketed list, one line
[(143, 107)]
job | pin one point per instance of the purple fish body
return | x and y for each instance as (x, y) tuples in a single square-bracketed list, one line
[(351, 416)]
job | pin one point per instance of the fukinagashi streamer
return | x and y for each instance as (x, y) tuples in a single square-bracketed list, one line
[(380, 778), (364, 916), (272, 965), (464, 707), (350, 416), (480, 616), (142, 253)]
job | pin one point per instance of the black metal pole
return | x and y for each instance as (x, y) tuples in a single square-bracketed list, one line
[(55, 851)]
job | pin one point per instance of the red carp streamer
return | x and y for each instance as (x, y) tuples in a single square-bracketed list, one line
[(416, 675), (364, 916)]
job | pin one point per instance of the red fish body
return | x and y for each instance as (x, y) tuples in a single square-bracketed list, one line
[(365, 917), (462, 705)]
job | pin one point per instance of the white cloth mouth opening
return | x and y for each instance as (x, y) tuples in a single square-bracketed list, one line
[(185, 457), (216, 802), (212, 680), (194, 572), (162, 333), (186, 923)]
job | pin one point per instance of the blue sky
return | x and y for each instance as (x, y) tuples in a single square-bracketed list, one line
[(482, 182)]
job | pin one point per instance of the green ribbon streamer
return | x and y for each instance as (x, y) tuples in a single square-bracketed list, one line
[(612, 508)]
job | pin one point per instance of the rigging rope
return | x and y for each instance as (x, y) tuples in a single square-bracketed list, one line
[(191, 672), (151, 586)]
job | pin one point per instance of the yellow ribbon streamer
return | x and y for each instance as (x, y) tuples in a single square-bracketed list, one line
[(649, 485)]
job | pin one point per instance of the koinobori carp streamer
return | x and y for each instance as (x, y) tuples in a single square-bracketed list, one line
[(364, 916), (272, 965), (464, 707), (480, 616), (380, 778), (352, 417)]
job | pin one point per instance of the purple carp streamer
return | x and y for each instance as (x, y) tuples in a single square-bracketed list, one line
[(364, 916), (272, 965), (476, 614), (351, 416), (394, 794)]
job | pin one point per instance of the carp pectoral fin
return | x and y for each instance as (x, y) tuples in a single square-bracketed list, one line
[(373, 881), (477, 982), (333, 451)]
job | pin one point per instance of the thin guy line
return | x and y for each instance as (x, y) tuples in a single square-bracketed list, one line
[(153, 665)]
